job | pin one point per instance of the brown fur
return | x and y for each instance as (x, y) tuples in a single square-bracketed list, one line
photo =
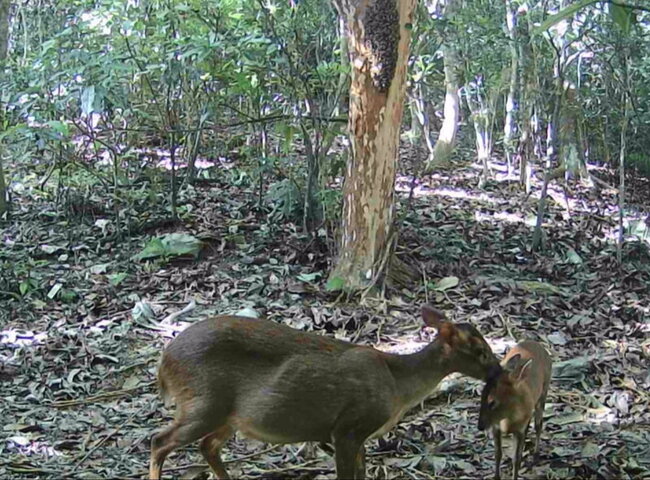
[(512, 395), (281, 385)]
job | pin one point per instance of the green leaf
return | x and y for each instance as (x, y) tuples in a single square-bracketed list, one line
[(170, 245), (59, 127), (68, 296), (439, 464), (445, 284), (335, 284), (590, 450), (154, 248), (308, 277), (54, 290), (99, 268), (533, 286), (573, 417), (623, 17), (117, 278), (182, 244), (573, 257), (563, 14), (573, 368), (88, 100)]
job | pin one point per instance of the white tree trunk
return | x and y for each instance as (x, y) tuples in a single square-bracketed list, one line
[(451, 61), (510, 127), (447, 137)]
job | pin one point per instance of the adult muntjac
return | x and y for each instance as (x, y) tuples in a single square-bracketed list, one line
[(280, 385)]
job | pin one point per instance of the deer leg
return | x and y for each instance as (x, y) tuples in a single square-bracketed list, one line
[(497, 452), (165, 442), (211, 450)]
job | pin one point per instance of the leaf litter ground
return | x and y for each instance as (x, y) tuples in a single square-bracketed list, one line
[(78, 369)]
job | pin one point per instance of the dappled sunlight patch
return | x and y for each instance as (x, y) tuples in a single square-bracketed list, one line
[(22, 338), (505, 217), (461, 193), (30, 445), (97, 20), (404, 185), (411, 343), (200, 163), (635, 227), (160, 157), (498, 171), (505, 177), (501, 345), (601, 415)]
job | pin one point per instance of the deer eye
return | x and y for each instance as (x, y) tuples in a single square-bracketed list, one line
[(492, 404)]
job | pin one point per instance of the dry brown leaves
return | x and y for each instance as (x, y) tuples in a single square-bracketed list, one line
[(77, 371)]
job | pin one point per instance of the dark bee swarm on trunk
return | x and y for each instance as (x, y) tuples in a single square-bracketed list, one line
[(381, 25)]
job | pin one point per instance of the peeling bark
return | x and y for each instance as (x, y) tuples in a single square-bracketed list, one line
[(378, 61)]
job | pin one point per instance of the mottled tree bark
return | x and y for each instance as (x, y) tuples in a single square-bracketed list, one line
[(379, 34)]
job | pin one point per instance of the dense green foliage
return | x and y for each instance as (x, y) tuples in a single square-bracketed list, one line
[(90, 86), (103, 100)]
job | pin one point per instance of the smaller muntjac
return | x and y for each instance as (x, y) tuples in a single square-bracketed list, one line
[(512, 395), (280, 385)]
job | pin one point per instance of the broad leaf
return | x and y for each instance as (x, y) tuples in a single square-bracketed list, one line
[(445, 284), (563, 14), (171, 245)]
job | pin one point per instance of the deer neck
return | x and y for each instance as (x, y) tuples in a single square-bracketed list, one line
[(417, 375)]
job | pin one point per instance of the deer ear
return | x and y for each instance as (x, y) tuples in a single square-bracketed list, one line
[(433, 317), (447, 331), (522, 370), (513, 363)]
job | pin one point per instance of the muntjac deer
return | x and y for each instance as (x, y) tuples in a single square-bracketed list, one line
[(512, 395), (280, 385)]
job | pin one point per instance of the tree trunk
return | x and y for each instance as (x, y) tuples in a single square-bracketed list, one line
[(420, 122), (451, 63), (4, 47), (482, 109), (511, 123), (627, 110), (379, 34), (528, 102), (344, 76), (552, 144), (3, 187), (447, 138), (5, 9)]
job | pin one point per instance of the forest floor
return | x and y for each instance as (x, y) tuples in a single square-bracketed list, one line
[(81, 332)]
